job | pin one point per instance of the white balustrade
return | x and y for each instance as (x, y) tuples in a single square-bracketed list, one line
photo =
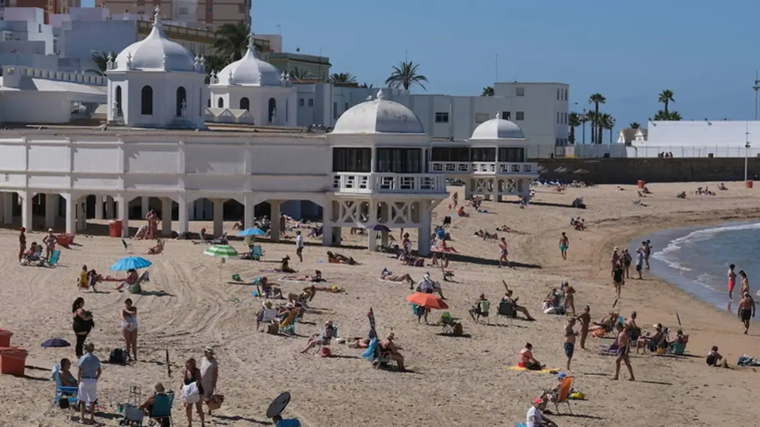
[(483, 168), (392, 183)]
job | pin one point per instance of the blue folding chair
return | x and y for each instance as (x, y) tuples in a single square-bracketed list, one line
[(257, 253), (162, 408), (54, 257), (63, 392)]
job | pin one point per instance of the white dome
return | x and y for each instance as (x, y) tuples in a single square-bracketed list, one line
[(378, 116), (156, 53), (497, 128), (249, 71)]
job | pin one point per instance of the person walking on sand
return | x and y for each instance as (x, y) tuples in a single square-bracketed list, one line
[(299, 245), (585, 320), (746, 310), (209, 374), (617, 278), (87, 377), (627, 263), (647, 252), (21, 243), (569, 345), (564, 243), (639, 262), (624, 347), (745, 282), (504, 252), (731, 281)]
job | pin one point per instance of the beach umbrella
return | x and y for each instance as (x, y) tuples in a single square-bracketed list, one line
[(252, 232), (223, 252), (380, 227), (580, 171), (131, 263), (427, 300), (55, 343)]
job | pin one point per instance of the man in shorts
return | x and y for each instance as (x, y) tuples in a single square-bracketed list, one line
[(569, 345), (564, 243), (746, 310), (504, 252), (624, 347), (88, 376), (639, 262), (299, 245)]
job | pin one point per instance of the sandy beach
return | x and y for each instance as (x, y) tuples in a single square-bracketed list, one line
[(452, 380)]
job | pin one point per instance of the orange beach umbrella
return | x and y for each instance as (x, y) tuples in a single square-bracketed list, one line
[(427, 300)]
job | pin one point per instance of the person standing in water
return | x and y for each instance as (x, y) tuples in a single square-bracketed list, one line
[(746, 310), (647, 252), (639, 261), (745, 282), (564, 243), (731, 281)]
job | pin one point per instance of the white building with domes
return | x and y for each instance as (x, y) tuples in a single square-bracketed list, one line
[(255, 86), (157, 83)]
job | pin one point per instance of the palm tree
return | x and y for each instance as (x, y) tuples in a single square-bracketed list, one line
[(367, 86), (342, 78), (573, 120), (667, 116), (596, 99), (607, 122), (101, 61), (584, 119), (300, 74), (592, 118), (232, 40), (634, 125), (666, 97), (405, 75), (487, 91), (674, 116)]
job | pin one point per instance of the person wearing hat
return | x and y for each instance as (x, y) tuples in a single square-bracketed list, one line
[(209, 373), (50, 240), (266, 312), (553, 393), (322, 338), (147, 406), (387, 346), (535, 418), (480, 309), (88, 376), (21, 243), (746, 310)]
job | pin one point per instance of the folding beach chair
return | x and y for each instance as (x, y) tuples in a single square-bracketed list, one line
[(374, 355), (63, 393), (564, 394), (611, 350), (162, 410), (257, 253), (288, 325)]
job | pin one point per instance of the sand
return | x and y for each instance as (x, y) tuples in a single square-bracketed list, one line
[(453, 381)]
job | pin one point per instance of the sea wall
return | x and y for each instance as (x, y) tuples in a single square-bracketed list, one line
[(629, 171)]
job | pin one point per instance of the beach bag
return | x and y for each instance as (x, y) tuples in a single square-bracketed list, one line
[(191, 394), (117, 357), (215, 402)]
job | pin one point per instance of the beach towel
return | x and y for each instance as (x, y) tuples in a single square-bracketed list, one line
[(390, 281), (542, 371)]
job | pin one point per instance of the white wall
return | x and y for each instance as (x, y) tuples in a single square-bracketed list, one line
[(79, 38), (703, 133), (34, 107)]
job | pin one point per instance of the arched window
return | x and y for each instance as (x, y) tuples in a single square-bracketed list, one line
[(272, 109), (181, 101), (208, 103), (146, 101), (245, 104), (118, 101), (220, 103)]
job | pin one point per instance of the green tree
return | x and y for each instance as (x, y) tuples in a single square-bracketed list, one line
[(232, 40), (592, 119), (487, 91), (663, 115), (596, 99), (300, 74), (367, 86), (573, 120), (342, 78), (214, 64), (634, 125), (665, 98), (607, 123), (101, 61), (406, 75)]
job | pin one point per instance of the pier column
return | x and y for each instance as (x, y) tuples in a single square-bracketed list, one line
[(81, 214), (98, 207), (372, 243), (166, 216), (50, 210), (423, 243), (327, 229), (183, 215), (249, 206), (145, 205), (71, 215), (124, 215), (275, 223), (26, 209), (110, 209), (8, 208), (218, 217)]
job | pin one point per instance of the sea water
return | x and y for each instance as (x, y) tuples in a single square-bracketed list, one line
[(696, 259)]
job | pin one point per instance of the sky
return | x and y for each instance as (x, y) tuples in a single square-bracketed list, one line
[(706, 52)]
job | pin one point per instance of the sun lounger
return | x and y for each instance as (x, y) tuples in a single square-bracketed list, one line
[(610, 350)]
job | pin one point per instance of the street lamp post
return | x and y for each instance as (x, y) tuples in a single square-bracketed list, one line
[(746, 155), (584, 125), (756, 87)]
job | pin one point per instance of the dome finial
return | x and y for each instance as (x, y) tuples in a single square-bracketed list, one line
[(498, 114), (380, 94), (251, 44), (157, 17)]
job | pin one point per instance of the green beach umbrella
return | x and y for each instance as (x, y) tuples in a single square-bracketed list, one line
[(221, 251)]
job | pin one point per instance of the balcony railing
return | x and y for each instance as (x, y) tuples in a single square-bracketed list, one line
[(389, 183), (484, 168)]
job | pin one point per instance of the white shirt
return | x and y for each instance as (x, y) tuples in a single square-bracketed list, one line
[(534, 412), (299, 241)]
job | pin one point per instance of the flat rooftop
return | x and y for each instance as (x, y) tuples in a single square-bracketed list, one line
[(9, 130)]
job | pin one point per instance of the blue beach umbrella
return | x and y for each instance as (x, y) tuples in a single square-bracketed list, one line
[(130, 263), (252, 232), (55, 343)]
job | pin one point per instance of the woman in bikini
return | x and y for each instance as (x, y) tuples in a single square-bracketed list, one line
[(129, 328), (193, 375), (731, 281)]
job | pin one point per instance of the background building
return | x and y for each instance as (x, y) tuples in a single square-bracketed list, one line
[(203, 14)]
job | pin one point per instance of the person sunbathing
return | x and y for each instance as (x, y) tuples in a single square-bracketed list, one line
[(260, 315), (387, 346), (320, 339), (722, 187), (130, 280), (159, 248), (336, 258), (33, 254), (314, 278), (64, 373), (285, 265), (649, 341), (517, 308), (147, 406), (461, 212), (304, 297), (713, 358), (605, 325), (268, 290), (552, 394), (390, 277), (527, 360)]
